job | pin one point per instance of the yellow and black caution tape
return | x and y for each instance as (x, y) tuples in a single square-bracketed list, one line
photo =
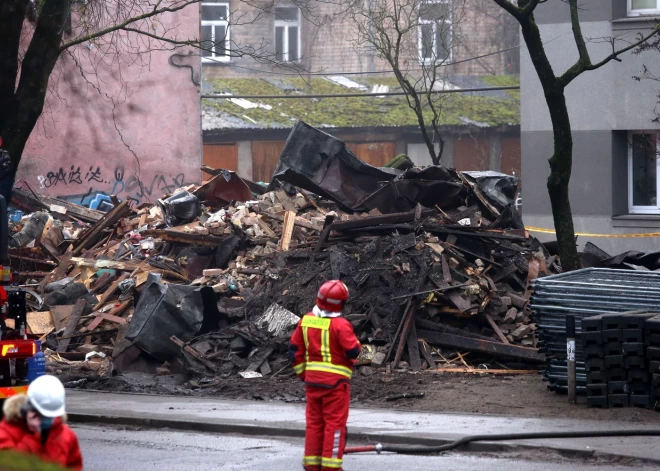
[(586, 234)]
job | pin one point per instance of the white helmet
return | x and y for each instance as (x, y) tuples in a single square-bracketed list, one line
[(46, 394)]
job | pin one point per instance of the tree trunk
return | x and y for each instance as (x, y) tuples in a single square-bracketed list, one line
[(560, 175)]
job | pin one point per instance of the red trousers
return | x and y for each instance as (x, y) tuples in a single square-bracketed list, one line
[(325, 436)]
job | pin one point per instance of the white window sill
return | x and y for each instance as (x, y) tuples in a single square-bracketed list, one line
[(216, 60), (637, 220), (636, 22)]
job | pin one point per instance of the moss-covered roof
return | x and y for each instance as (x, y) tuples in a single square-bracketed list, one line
[(485, 109)]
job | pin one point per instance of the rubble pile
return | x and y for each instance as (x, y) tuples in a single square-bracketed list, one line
[(213, 278)]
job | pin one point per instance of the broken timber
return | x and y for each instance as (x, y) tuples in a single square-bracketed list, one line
[(482, 346), (184, 237)]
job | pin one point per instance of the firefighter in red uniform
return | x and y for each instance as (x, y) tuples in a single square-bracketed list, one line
[(323, 350)]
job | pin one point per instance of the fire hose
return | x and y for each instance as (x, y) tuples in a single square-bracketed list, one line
[(424, 450)]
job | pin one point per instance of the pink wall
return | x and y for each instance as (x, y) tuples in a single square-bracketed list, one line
[(76, 150)]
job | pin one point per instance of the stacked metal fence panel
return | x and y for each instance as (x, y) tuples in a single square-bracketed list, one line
[(585, 293)]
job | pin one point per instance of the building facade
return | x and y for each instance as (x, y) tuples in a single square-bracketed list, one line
[(614, 184), (478, 48), (121, 124)]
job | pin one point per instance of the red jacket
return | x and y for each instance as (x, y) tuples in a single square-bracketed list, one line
[(323, 350), (61, 445), (14, 433)]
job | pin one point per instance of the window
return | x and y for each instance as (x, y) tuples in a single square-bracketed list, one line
[(434, 36), (215, 31), (643, 166), (287, 34), (643, 7)]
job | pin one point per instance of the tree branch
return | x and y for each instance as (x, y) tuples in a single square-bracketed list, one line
[(530, 7), (40, 58), (577, 33), (12, 17), (580, 66), (124, 24), (511, 8)]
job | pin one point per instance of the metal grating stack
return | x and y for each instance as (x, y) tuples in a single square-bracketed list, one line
[(618, 374), (585, 293)]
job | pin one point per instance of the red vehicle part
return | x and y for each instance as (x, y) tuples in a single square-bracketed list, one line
[(17, 349)]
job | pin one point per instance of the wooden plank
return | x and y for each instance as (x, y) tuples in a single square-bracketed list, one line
[(90, 238), (479, 195), (72, 324), (93, 325), (259, 358), (265, 227), (496, 329), (287, 231), (100, 317), (184, 238), (61, 315), (287, 202), (446, 274), (426, 353), (98, 264), (298, 221), (191, 351), (40, 323), (109, 292), (111, 318), (447, 329), (486, 372), (413, 348), (311, 201), (27, 200), (58, 273), (405, 330), (371, 221), (482, 346)]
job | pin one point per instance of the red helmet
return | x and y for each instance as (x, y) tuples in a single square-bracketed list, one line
[(332, 296)]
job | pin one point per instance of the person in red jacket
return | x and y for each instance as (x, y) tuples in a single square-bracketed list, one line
[(323, 350), (36, 424), (15, 431)]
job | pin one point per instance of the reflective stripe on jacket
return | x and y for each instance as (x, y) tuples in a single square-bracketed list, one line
[(323, 350)]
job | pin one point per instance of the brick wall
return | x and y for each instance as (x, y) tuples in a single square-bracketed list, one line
[(328, 41)]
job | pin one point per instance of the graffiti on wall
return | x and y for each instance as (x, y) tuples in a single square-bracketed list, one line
[(120, 183)]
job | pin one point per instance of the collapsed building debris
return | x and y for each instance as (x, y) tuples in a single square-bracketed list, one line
[(213, 278)]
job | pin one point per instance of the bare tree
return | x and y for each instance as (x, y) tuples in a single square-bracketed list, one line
[(554, 87), (415, 38), (34, 36), (647, 74)]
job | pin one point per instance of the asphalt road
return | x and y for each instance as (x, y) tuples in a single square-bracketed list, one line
[(130, 449)]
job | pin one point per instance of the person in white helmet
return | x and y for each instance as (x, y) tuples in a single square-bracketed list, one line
[(35, 423)]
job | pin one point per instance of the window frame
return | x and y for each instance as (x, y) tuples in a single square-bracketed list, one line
[(644, 12), (449, 20), (214, 57), (279, 23), (632, 209)]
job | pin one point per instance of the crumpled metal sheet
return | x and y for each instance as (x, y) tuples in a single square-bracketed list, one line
[(224, 188), (165, 310), (322, 164), (429, 186), (499, 188)]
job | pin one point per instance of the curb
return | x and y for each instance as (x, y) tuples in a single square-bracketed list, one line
[(355, 435)]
